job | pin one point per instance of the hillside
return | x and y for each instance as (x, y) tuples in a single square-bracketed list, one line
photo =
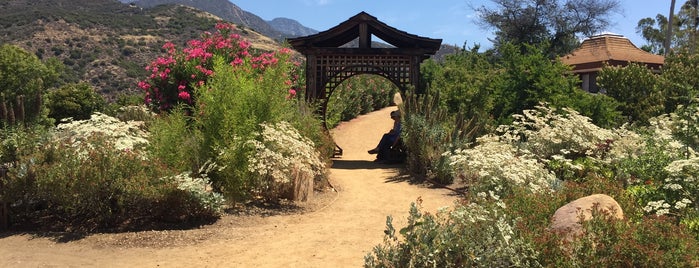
[(105, 42)]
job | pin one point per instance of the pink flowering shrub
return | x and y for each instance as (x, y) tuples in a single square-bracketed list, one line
[(174, 76), (218, 92)]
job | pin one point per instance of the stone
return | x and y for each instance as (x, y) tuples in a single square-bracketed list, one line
[(567, 218)]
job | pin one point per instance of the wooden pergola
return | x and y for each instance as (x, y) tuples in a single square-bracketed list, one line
[(330, 61)]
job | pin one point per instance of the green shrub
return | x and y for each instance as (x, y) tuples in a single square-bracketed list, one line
[(358, 95), (679, 81), (173, 141), (635, 87), (92, 186), (429, 132), (470, 235), (280, 157), (77, 101)]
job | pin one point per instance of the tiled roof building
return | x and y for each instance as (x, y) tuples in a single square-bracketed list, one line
[(610, 49)]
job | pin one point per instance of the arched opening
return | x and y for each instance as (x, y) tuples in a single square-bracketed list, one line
[(356, 95), (331, 58)]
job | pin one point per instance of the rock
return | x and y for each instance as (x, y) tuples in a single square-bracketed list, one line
[(567, 219)]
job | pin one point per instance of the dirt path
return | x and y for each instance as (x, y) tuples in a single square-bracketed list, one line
[(339, 231)]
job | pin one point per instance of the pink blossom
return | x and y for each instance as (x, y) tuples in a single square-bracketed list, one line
[(243, 44), (184, 95), (237, 61), (144, 85)]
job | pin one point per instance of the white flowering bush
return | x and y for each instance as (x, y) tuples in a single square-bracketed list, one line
[(200, 189), (546, 132), (280, 154), (679, 191), (467, 236), (663, 129), (496, 165), (124, 135)]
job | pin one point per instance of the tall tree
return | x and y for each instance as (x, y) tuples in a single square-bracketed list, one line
[(681, 35), (668, 35), (558, 23)]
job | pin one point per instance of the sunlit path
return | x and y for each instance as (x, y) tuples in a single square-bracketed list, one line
[(338, 234)]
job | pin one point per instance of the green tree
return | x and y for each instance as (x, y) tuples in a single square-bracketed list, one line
[(636, 88), (556, 22), (528, 78), (78, 101), (680, 80), (23, 79), (21, 73), (683, 33)]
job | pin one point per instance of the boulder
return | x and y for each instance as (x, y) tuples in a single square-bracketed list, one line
[(568, 218)]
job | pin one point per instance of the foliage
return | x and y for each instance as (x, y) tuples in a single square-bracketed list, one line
[(636, 88), (467, 236), (529, 78), (16, 142), (77, 101), (280, 157), (124, 135), (175, 143), (358, 95), (174, 77), (684, 30), (465, 81), (680, 80), (428, 132), (23, 80), (92, 185), (558, 23), (21, 73), (222, 93), (497, 167), (649, 175), (231, 108)]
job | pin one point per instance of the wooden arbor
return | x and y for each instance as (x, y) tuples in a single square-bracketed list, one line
[(330, 60)]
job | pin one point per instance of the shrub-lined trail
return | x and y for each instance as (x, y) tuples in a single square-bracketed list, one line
[(337, 230)]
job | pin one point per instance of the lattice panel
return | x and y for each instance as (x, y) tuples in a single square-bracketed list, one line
[(331, 70)]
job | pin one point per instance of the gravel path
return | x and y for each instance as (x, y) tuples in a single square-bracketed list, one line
[(336, 229)]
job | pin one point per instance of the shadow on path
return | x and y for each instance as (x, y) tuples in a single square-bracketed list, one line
[(362, 164)]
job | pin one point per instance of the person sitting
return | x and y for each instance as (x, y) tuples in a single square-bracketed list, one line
[(388, 140)]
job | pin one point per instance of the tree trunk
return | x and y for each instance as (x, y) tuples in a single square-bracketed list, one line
[(670, 22)]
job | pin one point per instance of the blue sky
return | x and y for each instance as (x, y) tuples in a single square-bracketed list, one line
[(451, 20)]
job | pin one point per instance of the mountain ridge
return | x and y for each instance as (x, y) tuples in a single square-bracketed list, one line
[(277, 28)]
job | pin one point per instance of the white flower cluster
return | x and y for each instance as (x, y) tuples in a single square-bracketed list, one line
[(660, 207), (200, 188), (125, 135), (627, 144), (496, 241), (548, 132), (665, 127), (283, 152), (499, 163)]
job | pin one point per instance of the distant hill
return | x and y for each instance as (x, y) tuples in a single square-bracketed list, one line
[(290, 28), (279, 28), (105, 42)]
